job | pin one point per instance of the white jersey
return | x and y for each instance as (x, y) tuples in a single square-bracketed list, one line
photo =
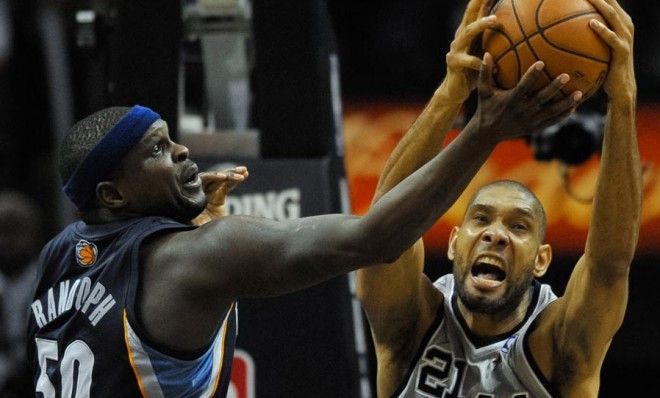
[(453, 362)]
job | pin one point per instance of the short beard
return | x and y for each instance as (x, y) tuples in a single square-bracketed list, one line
[(504, 305)]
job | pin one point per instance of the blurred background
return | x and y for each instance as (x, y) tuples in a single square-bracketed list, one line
[(327, 87)]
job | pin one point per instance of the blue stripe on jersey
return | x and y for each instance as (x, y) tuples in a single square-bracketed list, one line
[(160, 375)]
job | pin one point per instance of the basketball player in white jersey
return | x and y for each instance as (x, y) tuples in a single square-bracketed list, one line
[(490, 329)]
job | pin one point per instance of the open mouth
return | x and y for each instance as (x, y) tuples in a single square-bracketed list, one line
[(191, 176), (489, 268)]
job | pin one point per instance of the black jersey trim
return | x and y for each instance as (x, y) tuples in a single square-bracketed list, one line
[(549, 387), (440, 316), (100, 231), (479, 341)]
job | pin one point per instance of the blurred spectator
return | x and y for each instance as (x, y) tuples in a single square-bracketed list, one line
[(20, 240), (5, 32), (5, 54)]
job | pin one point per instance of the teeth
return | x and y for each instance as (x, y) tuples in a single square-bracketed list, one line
[(490, 260)]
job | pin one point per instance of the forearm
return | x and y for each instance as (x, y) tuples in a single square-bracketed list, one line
[(263, 257), (616, 214), (426, 136), (388, 292), (423, 140), (404, 213)]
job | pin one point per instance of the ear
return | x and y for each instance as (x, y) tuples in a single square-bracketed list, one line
[(109, 195), (451, 248), (542, 260)]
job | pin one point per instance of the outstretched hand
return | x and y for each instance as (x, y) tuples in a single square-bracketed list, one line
[(620, 78), (463, 67), (506, 114), (217, 186)]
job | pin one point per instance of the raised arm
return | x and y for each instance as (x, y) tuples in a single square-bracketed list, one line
[(425, 137), (247, 256), (193, 275), (398, 298), (295, 254), (584, 321), (391, 295)]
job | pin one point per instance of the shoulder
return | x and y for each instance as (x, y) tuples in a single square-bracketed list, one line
[(445, 285), (157, 223), (57, 247), (170, 242), (539, 333)]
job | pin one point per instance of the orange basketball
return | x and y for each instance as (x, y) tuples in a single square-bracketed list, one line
[(556, 32)]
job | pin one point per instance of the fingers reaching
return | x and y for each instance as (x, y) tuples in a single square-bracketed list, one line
[(226, 180), (551, 90), (472, 11), (459, 56), (486, 82), (236, 173), (524, 108), (608, 36), (551, 105), (615, 15), (466, 35), (465, 61), (557, 111), (618, 33), (527, 84), (486, 7)]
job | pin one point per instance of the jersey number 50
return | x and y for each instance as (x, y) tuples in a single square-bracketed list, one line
[(78, 360)]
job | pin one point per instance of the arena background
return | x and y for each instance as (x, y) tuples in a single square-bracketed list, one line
[(333, 85)]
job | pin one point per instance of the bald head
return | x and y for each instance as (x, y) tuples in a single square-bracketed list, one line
[(530, 198)]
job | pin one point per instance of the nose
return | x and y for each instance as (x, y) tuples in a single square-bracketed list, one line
[(180, 152), (496, 236)]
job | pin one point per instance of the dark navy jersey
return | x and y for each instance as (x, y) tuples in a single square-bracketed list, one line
[(83, 337)]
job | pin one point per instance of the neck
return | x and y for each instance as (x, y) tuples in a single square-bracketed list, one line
[(103, 215), (488, 325)]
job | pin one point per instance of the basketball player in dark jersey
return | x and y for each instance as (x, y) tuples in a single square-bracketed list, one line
[(135, 300), (490, 329)]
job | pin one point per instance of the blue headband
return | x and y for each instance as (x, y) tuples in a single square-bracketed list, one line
[(104, 159)]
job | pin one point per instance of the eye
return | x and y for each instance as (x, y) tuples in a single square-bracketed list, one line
[(157, 149), (519, 227), (480, 219)]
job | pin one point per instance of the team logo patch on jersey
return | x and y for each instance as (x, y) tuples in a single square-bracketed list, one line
[(86, 253)]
